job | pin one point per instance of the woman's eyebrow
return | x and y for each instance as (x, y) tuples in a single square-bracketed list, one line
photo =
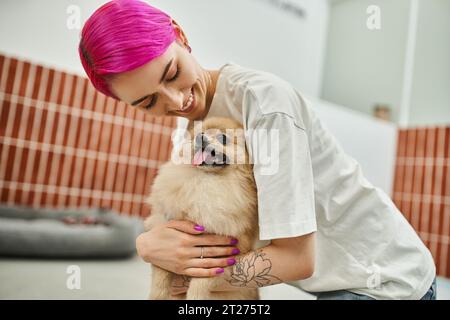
[(166, 69)]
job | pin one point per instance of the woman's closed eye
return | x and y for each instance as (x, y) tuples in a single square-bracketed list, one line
[(152, 102), (153, 99), (176, 75)]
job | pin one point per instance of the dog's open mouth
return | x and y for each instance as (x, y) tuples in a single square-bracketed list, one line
[(210, 158)]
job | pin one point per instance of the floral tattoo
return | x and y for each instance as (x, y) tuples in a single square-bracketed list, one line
[(184, 283), (244, 271)]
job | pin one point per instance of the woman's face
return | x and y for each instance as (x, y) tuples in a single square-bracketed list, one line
[(163, 86)]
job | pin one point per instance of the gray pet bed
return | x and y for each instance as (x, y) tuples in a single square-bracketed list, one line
[(29, 232)]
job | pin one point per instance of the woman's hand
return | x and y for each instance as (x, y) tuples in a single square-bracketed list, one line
[(176, 246)]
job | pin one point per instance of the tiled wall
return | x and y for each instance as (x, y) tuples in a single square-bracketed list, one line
[(422, 188), (63, 144)]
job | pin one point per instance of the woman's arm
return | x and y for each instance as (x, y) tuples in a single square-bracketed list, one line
[(283, 260)]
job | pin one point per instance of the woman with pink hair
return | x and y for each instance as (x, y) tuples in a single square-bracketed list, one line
[(331, 232)]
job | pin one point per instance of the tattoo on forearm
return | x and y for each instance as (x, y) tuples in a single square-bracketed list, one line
[(253, 270), (184, 283)]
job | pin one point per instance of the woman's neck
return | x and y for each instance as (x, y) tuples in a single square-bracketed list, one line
[(212, 76)]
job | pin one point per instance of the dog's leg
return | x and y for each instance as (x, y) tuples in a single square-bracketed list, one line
[(199, 289), (160, 286)]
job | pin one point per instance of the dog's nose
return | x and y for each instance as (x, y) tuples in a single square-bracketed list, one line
[(201, 141)]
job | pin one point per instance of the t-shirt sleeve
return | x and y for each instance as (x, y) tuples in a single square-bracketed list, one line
[(284, 178)]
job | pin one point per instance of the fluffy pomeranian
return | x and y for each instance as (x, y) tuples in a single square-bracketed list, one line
[(213, 185)]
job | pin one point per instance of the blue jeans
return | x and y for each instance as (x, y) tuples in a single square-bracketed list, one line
[(347, 295)]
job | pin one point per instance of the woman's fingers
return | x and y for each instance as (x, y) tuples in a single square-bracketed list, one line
[(208, 263), (210, 252), (185, 226), (207, 239), (199, 235), (203, 273)]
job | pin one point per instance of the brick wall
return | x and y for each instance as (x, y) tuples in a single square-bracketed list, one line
[(63, 144), (422, 188)]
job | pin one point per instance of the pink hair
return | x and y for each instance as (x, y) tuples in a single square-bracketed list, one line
[(120, 36)]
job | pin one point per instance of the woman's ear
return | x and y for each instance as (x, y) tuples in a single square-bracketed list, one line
[(180, 35)]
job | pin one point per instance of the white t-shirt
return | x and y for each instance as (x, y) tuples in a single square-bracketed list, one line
[(363, 242)]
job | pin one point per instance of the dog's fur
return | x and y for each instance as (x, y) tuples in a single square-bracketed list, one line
[(221, 198)]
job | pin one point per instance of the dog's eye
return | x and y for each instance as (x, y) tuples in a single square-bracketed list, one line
[(223, 139)]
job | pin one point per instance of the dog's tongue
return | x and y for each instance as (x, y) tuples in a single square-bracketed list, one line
[(199, 157)]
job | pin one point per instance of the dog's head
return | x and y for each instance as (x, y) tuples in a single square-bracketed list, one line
[(217, 143)]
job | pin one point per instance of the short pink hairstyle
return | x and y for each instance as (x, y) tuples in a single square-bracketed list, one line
[(120, 36)]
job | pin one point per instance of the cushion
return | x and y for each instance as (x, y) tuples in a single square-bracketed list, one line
[(78, 233)]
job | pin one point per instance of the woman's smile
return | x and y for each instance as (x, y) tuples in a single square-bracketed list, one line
[(190, 104)]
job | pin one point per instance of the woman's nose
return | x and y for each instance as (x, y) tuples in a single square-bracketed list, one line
[(174, 100)]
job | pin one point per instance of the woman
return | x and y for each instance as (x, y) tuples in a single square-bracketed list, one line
[(331, 232)]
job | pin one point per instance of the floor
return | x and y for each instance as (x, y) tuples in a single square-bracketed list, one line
[(102, 279)]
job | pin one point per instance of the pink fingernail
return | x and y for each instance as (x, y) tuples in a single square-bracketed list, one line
[(235, 251), (231, 261), (234, 241), (220, 270), (199, 228)]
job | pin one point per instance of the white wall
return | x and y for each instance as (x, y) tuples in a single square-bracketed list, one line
[(430, 99), (364, 67), (36, 31), (371, 142), (253, 33)]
